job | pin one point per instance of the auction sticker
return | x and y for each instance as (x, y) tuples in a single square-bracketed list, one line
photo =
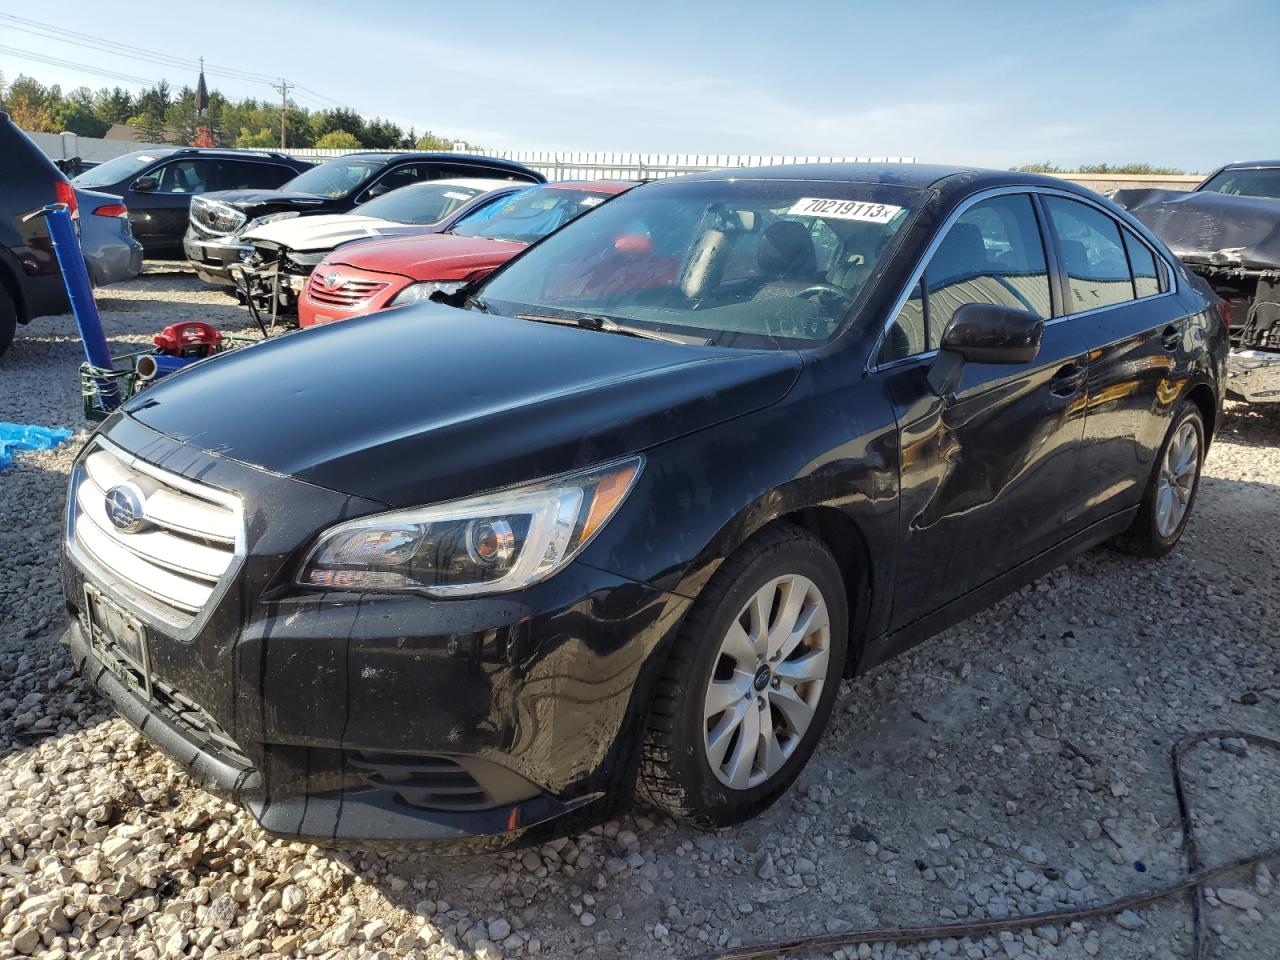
[(844, 209)]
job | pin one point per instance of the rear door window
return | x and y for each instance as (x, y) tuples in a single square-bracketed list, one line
[(242, 174), (1146, 278), (1094, 256)]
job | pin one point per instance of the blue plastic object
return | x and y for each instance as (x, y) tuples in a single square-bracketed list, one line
[(25, 436), (66, 247), (153, 366)]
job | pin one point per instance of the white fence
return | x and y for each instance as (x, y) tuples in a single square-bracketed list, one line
[(566, 165), (590, 165)]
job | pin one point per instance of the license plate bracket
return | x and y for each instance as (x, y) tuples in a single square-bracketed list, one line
[(118, 639)]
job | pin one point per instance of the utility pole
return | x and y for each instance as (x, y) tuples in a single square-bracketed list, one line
[(283, 87)]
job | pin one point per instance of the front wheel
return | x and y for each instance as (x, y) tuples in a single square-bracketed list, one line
[(748, 689), (1171, 491)]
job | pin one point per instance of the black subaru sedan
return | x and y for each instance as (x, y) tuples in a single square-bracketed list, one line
[(619, 518)]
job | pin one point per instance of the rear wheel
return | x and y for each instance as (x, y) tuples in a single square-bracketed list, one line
[(8, 320), (748, 689), (1171, 491)]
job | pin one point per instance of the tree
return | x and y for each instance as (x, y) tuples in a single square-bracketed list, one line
[(79, 118), (338, 140), (328, 121), (203, 138), (429, 141), (381, 134), (265, 137), (113, 106)]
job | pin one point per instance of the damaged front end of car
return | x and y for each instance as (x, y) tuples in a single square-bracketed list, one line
[(1233, 243), (270, 279)]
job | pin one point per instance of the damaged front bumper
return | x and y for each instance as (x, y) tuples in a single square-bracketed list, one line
[(1254, 375)]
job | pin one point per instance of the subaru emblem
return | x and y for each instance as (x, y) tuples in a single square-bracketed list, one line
[(124, 508)]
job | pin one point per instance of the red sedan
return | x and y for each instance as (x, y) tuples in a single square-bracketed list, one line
[(360, 278)]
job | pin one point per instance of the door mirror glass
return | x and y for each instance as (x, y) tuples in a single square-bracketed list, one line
[(377, 190), (987, 333), (145, 185)]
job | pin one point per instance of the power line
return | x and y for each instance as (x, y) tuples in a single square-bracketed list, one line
[(115, 48), (63, 35), (59, 62)]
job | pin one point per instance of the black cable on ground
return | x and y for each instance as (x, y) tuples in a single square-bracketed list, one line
[(1197, 875)]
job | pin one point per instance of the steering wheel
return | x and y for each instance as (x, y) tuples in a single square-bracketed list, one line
[(827, 295)]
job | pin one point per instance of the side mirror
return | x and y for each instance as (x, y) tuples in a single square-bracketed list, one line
[(144, 185), (984, 333), (377, 190)]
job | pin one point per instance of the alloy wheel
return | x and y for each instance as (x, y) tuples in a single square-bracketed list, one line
[(767, 681), (1177, 479)]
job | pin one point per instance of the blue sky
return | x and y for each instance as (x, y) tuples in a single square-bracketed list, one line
[(990, 83)]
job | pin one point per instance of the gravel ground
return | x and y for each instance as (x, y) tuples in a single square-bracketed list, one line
[(1018, 762)]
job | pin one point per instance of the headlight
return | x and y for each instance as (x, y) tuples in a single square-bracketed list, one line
[(487, 544), (417, 292), (218, 216)]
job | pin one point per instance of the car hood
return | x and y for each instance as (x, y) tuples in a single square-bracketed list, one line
[(326, 231), (248, 199), (427, 403), (1214, 229), (440, 256)]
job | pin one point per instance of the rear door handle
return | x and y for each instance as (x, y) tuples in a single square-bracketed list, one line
[(1068, 379), (1171, 336)]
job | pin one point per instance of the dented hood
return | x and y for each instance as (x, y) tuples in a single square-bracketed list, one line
[(1214, 229), (326, 231), (440, 256), (422, 404)]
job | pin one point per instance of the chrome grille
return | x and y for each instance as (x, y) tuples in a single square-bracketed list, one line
[(349, 293), (172, 563)]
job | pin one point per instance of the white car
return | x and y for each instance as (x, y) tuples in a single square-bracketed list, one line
[(409, 210)]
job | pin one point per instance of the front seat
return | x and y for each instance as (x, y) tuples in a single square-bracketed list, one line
[(787, 260)]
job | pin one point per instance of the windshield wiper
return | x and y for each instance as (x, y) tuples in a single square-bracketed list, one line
[(609, 325), (477, 302)]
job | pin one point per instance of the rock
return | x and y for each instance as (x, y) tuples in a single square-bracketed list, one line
[(1235, 897), (499, 930), (1092, 829), (587, 919), (1128, 920), (1234, 746), (222, 912), (767, 870), (1263, 881), (292, 899)]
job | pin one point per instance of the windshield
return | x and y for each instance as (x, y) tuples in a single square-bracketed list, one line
[(336, 178), (530, 214), (752, 263), (1263, 182), (419, 203), (113, 171)]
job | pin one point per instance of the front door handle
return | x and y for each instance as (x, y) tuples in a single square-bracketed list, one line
[(1171, 336), (1066, 382)]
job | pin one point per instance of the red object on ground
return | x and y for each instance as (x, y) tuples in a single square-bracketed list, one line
[(194, 338), (363, 277)]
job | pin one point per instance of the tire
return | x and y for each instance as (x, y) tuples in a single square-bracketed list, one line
[(677, 772), (1153, 533), (8, 320)]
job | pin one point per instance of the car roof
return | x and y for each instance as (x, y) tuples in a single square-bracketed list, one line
[(476, 183), (611, 187), (1251, 164), (917, 175)]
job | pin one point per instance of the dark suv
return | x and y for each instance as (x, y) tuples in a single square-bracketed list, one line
[(336, 186), (30, 280), (158, 184)]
